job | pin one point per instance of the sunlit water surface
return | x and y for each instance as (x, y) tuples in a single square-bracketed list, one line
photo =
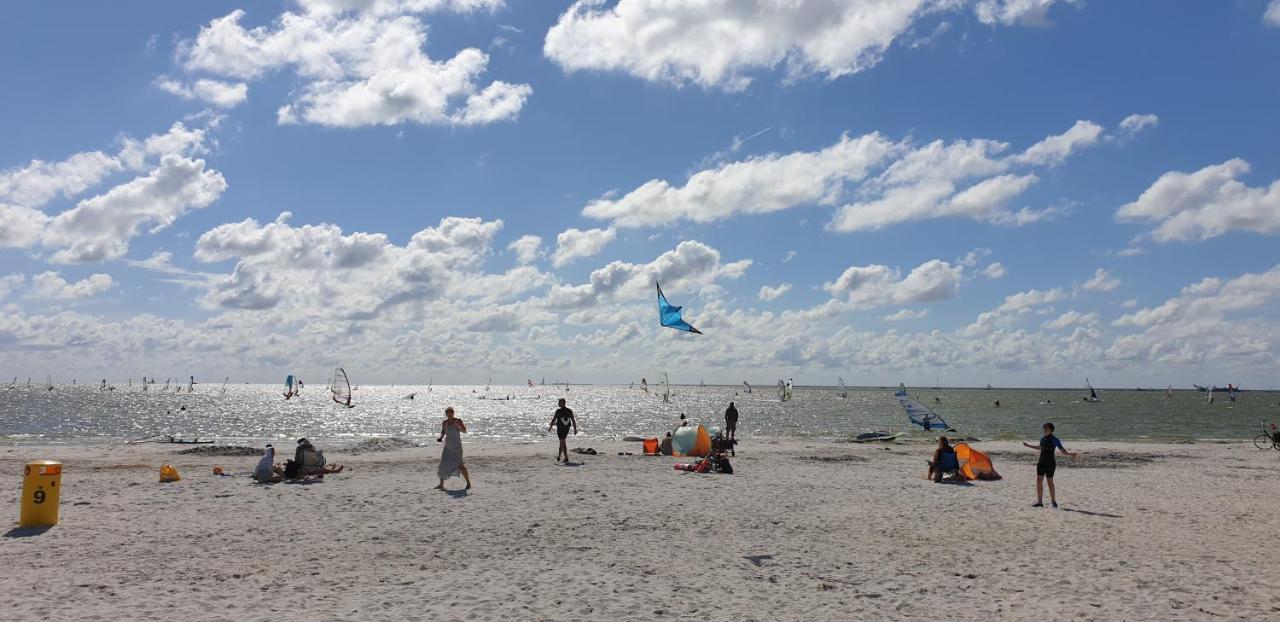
[(78, 414)]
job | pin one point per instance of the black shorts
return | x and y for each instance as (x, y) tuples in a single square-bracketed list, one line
[(731, 425), (1046, 468), (563, 433)]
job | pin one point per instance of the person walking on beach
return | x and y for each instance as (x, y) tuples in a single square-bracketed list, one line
[(451, 430), (1047, 464), (561, 421), (731, 422)]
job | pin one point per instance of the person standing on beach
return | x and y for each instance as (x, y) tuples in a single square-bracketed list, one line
[(1047, 464), (451, 430), (731, 422), (561, 421)]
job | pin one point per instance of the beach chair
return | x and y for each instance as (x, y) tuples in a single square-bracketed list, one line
[(651, 447), (948, 468), (312, 465)]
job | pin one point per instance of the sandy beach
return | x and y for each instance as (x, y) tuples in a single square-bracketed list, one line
[(802, 530)]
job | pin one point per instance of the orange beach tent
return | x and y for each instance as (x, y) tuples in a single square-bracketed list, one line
[(974, 464)]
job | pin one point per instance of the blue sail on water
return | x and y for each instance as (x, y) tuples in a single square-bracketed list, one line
[(669, 315), (918, 413), (288, 382)]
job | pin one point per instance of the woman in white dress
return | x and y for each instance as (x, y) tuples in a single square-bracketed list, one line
[(451, 459)]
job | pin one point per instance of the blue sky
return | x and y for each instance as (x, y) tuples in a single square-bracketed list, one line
[(1014, 192)]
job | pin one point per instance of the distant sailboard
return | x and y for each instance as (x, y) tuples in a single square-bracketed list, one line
[(918, 413), (341, 388)]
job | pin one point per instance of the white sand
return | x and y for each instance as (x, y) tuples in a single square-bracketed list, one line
[(1147, 532)]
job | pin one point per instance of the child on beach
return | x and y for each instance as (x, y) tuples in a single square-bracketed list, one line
[(1047, 464)]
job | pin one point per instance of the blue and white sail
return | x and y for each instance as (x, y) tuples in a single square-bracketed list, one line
[(669, 315), (918, 413)]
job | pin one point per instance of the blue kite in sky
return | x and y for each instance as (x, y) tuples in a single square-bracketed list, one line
[(669, 314)]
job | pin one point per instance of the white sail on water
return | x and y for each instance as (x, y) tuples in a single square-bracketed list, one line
[(844, 391), (744, 383), (666, 387), (341, 387)]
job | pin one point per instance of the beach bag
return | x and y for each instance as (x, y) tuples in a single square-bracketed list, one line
[(291, 469), (169, 474), (723, 466)]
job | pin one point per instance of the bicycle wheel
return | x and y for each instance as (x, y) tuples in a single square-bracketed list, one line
[(1263, 441)]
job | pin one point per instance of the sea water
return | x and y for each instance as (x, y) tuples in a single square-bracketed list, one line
[(248, 413)]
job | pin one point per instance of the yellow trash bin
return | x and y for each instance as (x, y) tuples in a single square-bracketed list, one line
[(40, 483)]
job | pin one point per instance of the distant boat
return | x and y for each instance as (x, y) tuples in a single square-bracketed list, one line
[(1093, 395)]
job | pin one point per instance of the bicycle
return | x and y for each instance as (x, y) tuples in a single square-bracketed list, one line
[(1269, 439)]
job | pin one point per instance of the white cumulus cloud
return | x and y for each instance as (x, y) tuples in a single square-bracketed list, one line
[(361, 63), (528, 248), (1101, 281), (768, 293), (1205, 204), (903, 315), (221, 94), (51, 286), (995, 270), (878, 285), (100, 228), (1136, 123), (573, 244)]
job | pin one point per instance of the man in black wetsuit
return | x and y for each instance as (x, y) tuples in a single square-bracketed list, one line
[(562, 421), (731, 422), (1047, 464)]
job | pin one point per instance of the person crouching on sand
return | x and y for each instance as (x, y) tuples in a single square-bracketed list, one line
[(1047, 464)]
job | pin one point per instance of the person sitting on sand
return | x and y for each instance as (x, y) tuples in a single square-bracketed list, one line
[(305, 446), (944, 447), (1047, 464), (664, 448), (267, 472)]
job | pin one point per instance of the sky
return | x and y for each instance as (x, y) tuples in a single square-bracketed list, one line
[(1013, 192)]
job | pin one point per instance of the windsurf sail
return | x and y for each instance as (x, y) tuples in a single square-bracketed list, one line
[(341, 387), (1169, 391), (429, 381), (918, 413), (744, 383), (782, 390), (224, 385), (289, 391), (1093, 395), (1210, 395), (191, 385), (844, 391), (166, 383), (644, 385), (669, 315), (666, 387), (789, 390), (48, 384)]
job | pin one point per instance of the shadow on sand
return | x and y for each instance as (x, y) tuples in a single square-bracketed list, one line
[(25, 532), (1088, 513), (458, 494)]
